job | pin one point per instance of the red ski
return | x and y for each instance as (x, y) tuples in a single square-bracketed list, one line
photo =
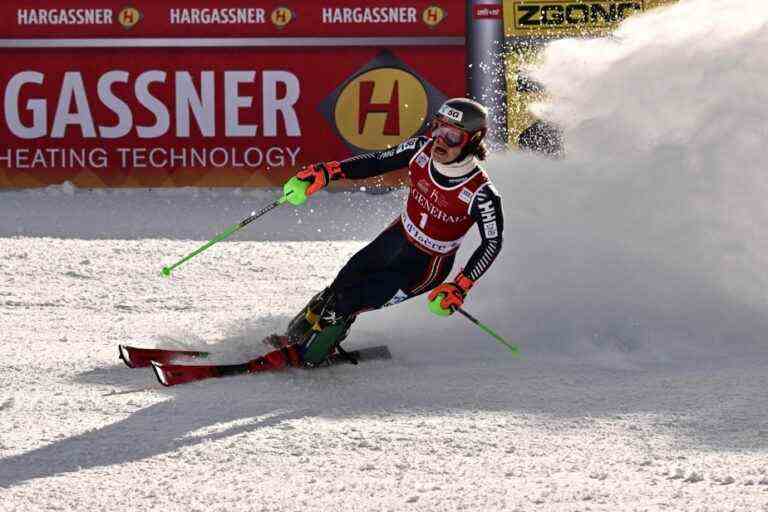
[(278, 360), (136, 357)]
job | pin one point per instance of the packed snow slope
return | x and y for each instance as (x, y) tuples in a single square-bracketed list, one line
[(633, 277)]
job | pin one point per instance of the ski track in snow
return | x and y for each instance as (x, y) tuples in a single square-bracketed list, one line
[(428, 431), (633, 278)]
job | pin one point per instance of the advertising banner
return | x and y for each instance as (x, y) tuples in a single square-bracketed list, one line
[(90, 106), (236, 18), (569, 18), (528, 25)]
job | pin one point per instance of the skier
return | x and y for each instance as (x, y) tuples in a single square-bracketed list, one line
[(449, 192)]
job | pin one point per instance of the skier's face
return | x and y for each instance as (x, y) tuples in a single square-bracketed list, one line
[(449, 140), (443, 154)]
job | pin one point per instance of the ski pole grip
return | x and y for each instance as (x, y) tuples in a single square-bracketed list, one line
[(435, 307)]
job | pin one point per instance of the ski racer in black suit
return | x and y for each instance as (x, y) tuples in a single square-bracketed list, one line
[(449, 193)]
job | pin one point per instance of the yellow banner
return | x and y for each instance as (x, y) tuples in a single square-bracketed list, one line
[(569, 18), (529, 24), (521, 92)]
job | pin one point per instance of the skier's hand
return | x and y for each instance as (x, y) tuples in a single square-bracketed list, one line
[(309, 180), (445, 298)]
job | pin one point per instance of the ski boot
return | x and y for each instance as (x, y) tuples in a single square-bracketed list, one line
[(328, 331), (325, 340), (316, 331), (300, 328)]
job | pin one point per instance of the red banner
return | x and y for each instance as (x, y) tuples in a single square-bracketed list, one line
[(209, 117), (235, 18), (165, 93)]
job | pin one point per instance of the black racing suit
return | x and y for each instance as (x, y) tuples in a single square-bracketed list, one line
[(392, 268)]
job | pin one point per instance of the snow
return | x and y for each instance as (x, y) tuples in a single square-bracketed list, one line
[(633, 277)]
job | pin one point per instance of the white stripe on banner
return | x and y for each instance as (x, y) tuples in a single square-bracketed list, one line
[(224, 42)]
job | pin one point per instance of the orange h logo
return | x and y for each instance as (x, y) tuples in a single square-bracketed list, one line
[(281, 16), (390, 108), (432, 15), (127, 17), (379, 107)]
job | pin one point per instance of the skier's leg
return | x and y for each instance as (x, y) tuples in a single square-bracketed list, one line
[(372, 257), (365, 282), (379, 255), (341, 309), (374, 274), (388, 270), (314, 339), (436, 272), (410, 275)]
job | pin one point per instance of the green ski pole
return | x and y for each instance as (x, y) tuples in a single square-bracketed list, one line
[(166, 272), (512, 348)]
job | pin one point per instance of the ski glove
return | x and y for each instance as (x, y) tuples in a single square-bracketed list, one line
[(445, 298), (309, 180)]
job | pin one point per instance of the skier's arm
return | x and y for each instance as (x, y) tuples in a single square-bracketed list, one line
[(315, 177), (487, 213), (368, 165)]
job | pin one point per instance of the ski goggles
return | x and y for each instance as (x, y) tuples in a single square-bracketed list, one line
[(452, 136)]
